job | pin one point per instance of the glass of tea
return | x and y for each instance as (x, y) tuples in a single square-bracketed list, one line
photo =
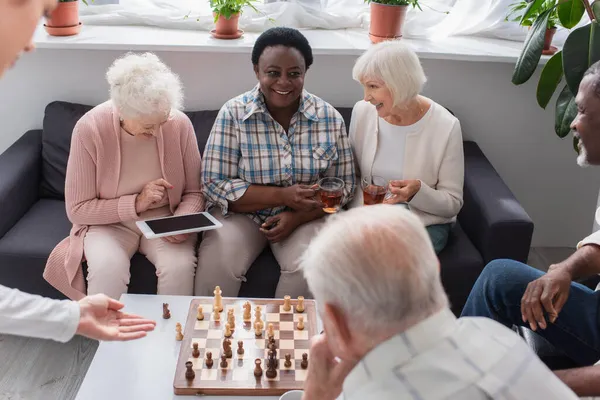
[(374, 189), (331, 191)]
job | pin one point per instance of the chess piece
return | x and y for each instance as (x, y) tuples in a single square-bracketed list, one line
[(240, 349), (257, 369), (223, 361), (195, 351), (271, 341), (189, 372), (257, 316), (227, 333), (227, 348), (287, 305), (216, 315), (300, 306), (300, 325), (166, 312), (304, 363), (247, 312), (273, 349), (231, 319), (209, 360), (271, 367), (218, 299), (271, 332), (200, 315), (178, 335), (257, 329), (288, 361)]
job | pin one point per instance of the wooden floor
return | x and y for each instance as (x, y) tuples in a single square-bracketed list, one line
[(32, 369)]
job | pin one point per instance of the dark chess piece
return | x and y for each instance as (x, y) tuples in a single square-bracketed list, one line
[(227, 348), (189, 372), (274, 351), (288, 361), (257, 369), (209, 360), (304, 363), (166, 312), (271, 367), (271, 341), (223, 361), (195, 351), (240, 349)]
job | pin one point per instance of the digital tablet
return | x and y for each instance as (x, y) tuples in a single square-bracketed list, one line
[(177, 225)]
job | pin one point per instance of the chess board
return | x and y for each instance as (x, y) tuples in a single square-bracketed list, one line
[(238, 378)]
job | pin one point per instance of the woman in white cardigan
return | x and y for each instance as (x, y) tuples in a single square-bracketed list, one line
[(407, 139)]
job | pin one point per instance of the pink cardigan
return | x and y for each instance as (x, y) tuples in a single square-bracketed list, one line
[(93, 177)]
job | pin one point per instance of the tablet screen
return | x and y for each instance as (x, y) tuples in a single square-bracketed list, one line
[(179, 223)]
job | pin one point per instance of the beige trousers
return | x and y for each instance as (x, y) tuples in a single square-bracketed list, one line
[(226, 254), (108, 250)]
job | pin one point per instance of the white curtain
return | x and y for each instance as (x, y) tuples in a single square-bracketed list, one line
[(438, 18)]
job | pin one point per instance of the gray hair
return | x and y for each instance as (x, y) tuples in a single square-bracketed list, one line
[(142, 85), (377, 264), (594, 70), (396, 65)]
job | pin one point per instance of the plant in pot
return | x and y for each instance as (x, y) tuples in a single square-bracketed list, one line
[(519, 12), (580, 51), (227, 14), (387, 18), (64, 19)]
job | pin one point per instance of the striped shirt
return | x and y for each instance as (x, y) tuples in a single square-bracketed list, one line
[(248, 147), (450, 359)]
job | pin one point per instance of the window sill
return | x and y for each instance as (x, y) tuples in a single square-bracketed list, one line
[(324, 42)]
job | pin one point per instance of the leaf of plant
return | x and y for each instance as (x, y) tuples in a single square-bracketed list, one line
[(549, 79), (570, 12), (595, 40), (566, 110), (576, 56), (596, 10), (532, 51), (531, 8)]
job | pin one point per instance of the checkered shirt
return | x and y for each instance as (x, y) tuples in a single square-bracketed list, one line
[(248, 147), (450, 359)]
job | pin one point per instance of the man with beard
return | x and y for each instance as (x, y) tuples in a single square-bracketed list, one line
[(564, 312)]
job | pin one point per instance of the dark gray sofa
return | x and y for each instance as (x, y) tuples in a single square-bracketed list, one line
[(492, 223)]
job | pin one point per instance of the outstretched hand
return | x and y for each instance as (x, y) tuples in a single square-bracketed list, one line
[(101, 319)]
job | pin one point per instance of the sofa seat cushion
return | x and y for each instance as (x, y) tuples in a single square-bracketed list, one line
[(461, 265)]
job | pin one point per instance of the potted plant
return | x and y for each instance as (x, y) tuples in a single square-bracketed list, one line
[(387, 18), (580, 51), (227, 14), (64, 19), (518, 14)]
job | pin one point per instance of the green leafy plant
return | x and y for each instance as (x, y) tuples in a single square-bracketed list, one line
[(521, 13), (414, 3), (580, 51), (227, 8)]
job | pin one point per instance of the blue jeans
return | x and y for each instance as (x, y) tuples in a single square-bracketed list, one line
[(497, 295), (439, 236)]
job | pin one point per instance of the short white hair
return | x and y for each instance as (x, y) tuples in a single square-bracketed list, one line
[(142, 85), (377, 264), (396, 65)]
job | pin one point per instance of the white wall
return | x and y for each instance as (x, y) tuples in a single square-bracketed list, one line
[(515, 134)]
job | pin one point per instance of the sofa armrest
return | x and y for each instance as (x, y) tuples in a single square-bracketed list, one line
[(19, 178), (491, 215)]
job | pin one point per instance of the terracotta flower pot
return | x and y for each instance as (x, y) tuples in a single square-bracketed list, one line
[(64, 20), (227, 28), (386, 22), (548, 48)]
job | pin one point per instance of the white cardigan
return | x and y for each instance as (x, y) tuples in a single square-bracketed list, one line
[(433, 155)]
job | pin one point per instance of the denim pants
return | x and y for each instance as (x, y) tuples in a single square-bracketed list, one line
[(497, 295)]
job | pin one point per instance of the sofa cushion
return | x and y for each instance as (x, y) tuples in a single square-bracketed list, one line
[(59, 120), (203, 122), (460, 264)]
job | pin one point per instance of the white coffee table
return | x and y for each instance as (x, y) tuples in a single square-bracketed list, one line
[(143, 369)]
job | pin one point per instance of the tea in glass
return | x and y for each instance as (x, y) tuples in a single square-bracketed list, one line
[(374, 189), (331, 192)]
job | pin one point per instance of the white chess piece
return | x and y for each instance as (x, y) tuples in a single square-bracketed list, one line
[(218, 299), (200, 315)]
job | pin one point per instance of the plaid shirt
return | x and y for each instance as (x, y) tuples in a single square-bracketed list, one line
[(248, 147)]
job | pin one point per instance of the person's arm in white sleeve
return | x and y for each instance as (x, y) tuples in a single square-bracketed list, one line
[(30, 315)]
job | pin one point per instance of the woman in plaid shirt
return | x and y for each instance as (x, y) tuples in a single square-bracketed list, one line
[(267, 150)]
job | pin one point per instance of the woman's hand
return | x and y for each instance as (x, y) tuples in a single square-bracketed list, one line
[(280, 226), (402, 191), (176, 239), (151, 194)]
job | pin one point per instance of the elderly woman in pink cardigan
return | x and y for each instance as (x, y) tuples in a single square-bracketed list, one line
[(133, 157)]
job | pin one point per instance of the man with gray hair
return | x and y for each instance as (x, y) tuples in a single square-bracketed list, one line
[(389, 333)]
